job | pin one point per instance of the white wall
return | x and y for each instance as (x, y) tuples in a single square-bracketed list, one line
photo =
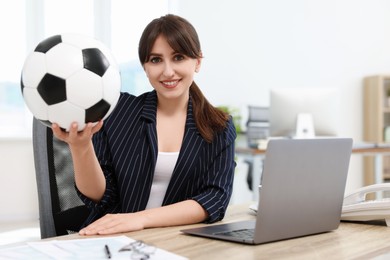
[(250, 47), (253, 46), (18, 189)]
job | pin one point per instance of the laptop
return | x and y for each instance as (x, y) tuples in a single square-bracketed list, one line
[(302, 191)]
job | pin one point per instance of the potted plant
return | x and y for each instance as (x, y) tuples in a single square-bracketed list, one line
[(235, 113)]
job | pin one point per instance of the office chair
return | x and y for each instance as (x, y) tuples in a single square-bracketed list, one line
[(61, 211), (257, 129)]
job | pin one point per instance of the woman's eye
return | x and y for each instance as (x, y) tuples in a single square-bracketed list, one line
[(155, 60), (178, 57)]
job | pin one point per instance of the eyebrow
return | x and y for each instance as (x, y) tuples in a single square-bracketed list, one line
[(159, 55), (154, 54)]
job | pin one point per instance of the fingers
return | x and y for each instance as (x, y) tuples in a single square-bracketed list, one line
[(73, 131), (61, 135), (97, 127), (74, 135), (113, 224), (101, 225)]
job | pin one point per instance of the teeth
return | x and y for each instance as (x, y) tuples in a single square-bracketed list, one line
[(170, 83)]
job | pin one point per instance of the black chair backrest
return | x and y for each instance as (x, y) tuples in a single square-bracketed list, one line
[(61, 211)]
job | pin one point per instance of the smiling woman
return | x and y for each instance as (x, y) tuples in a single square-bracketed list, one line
[(171, 132)]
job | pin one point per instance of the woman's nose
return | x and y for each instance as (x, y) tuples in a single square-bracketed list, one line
[(168, 70)]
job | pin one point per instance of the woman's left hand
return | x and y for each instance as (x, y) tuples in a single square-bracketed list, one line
[(114, 223), (74, 137)]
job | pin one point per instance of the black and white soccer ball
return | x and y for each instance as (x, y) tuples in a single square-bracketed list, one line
[(70, 78)]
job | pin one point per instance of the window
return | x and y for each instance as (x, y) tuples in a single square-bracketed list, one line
[(118, 24), (70, 16), (13, 116)]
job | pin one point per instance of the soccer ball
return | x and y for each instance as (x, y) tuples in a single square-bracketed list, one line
[(70, 78)]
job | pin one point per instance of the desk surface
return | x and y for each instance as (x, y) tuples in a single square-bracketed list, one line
[(349, 241)]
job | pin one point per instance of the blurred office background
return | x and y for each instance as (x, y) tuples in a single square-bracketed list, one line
[(250, 47)]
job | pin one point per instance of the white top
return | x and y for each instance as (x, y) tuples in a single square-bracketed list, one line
[(165, 164)]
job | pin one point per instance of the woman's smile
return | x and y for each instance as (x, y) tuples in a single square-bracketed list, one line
[(170, 83)]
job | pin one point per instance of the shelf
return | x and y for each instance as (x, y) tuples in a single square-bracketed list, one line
[(376, 120)]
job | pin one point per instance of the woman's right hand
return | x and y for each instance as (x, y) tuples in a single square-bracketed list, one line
[(77, 139)]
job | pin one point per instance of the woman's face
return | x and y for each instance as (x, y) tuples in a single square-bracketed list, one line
[(170, 73)]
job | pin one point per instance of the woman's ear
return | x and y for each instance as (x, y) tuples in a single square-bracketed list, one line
[(146, 73), (198, 63)]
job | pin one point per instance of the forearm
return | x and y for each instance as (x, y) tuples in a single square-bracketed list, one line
[(181, 213), (89, 176)]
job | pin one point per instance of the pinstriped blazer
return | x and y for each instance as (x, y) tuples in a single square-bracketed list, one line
[(126, 148)]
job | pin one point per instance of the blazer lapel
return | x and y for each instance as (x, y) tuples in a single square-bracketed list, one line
[(149, 113), (188, 156)]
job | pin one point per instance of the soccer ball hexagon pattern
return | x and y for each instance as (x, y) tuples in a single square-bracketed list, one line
[(70, 78)]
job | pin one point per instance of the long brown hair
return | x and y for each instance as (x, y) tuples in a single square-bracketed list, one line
[(182, 38)]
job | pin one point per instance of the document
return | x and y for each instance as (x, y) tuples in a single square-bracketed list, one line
[(85, 248)]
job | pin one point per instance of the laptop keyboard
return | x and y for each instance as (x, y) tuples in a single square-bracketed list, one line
[(240, 233)]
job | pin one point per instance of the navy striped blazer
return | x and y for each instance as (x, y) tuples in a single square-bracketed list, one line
[(126, 148)]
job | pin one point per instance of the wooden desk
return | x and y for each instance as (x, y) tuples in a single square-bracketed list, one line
[(349, 241)]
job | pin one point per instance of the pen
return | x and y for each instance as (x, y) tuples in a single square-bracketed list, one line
[(107, 250)]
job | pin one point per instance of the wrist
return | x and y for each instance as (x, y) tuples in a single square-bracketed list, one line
[(146, 218), (81, 149)]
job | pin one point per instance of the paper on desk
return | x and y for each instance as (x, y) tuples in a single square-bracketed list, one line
[(86, 248), (22, 252)]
